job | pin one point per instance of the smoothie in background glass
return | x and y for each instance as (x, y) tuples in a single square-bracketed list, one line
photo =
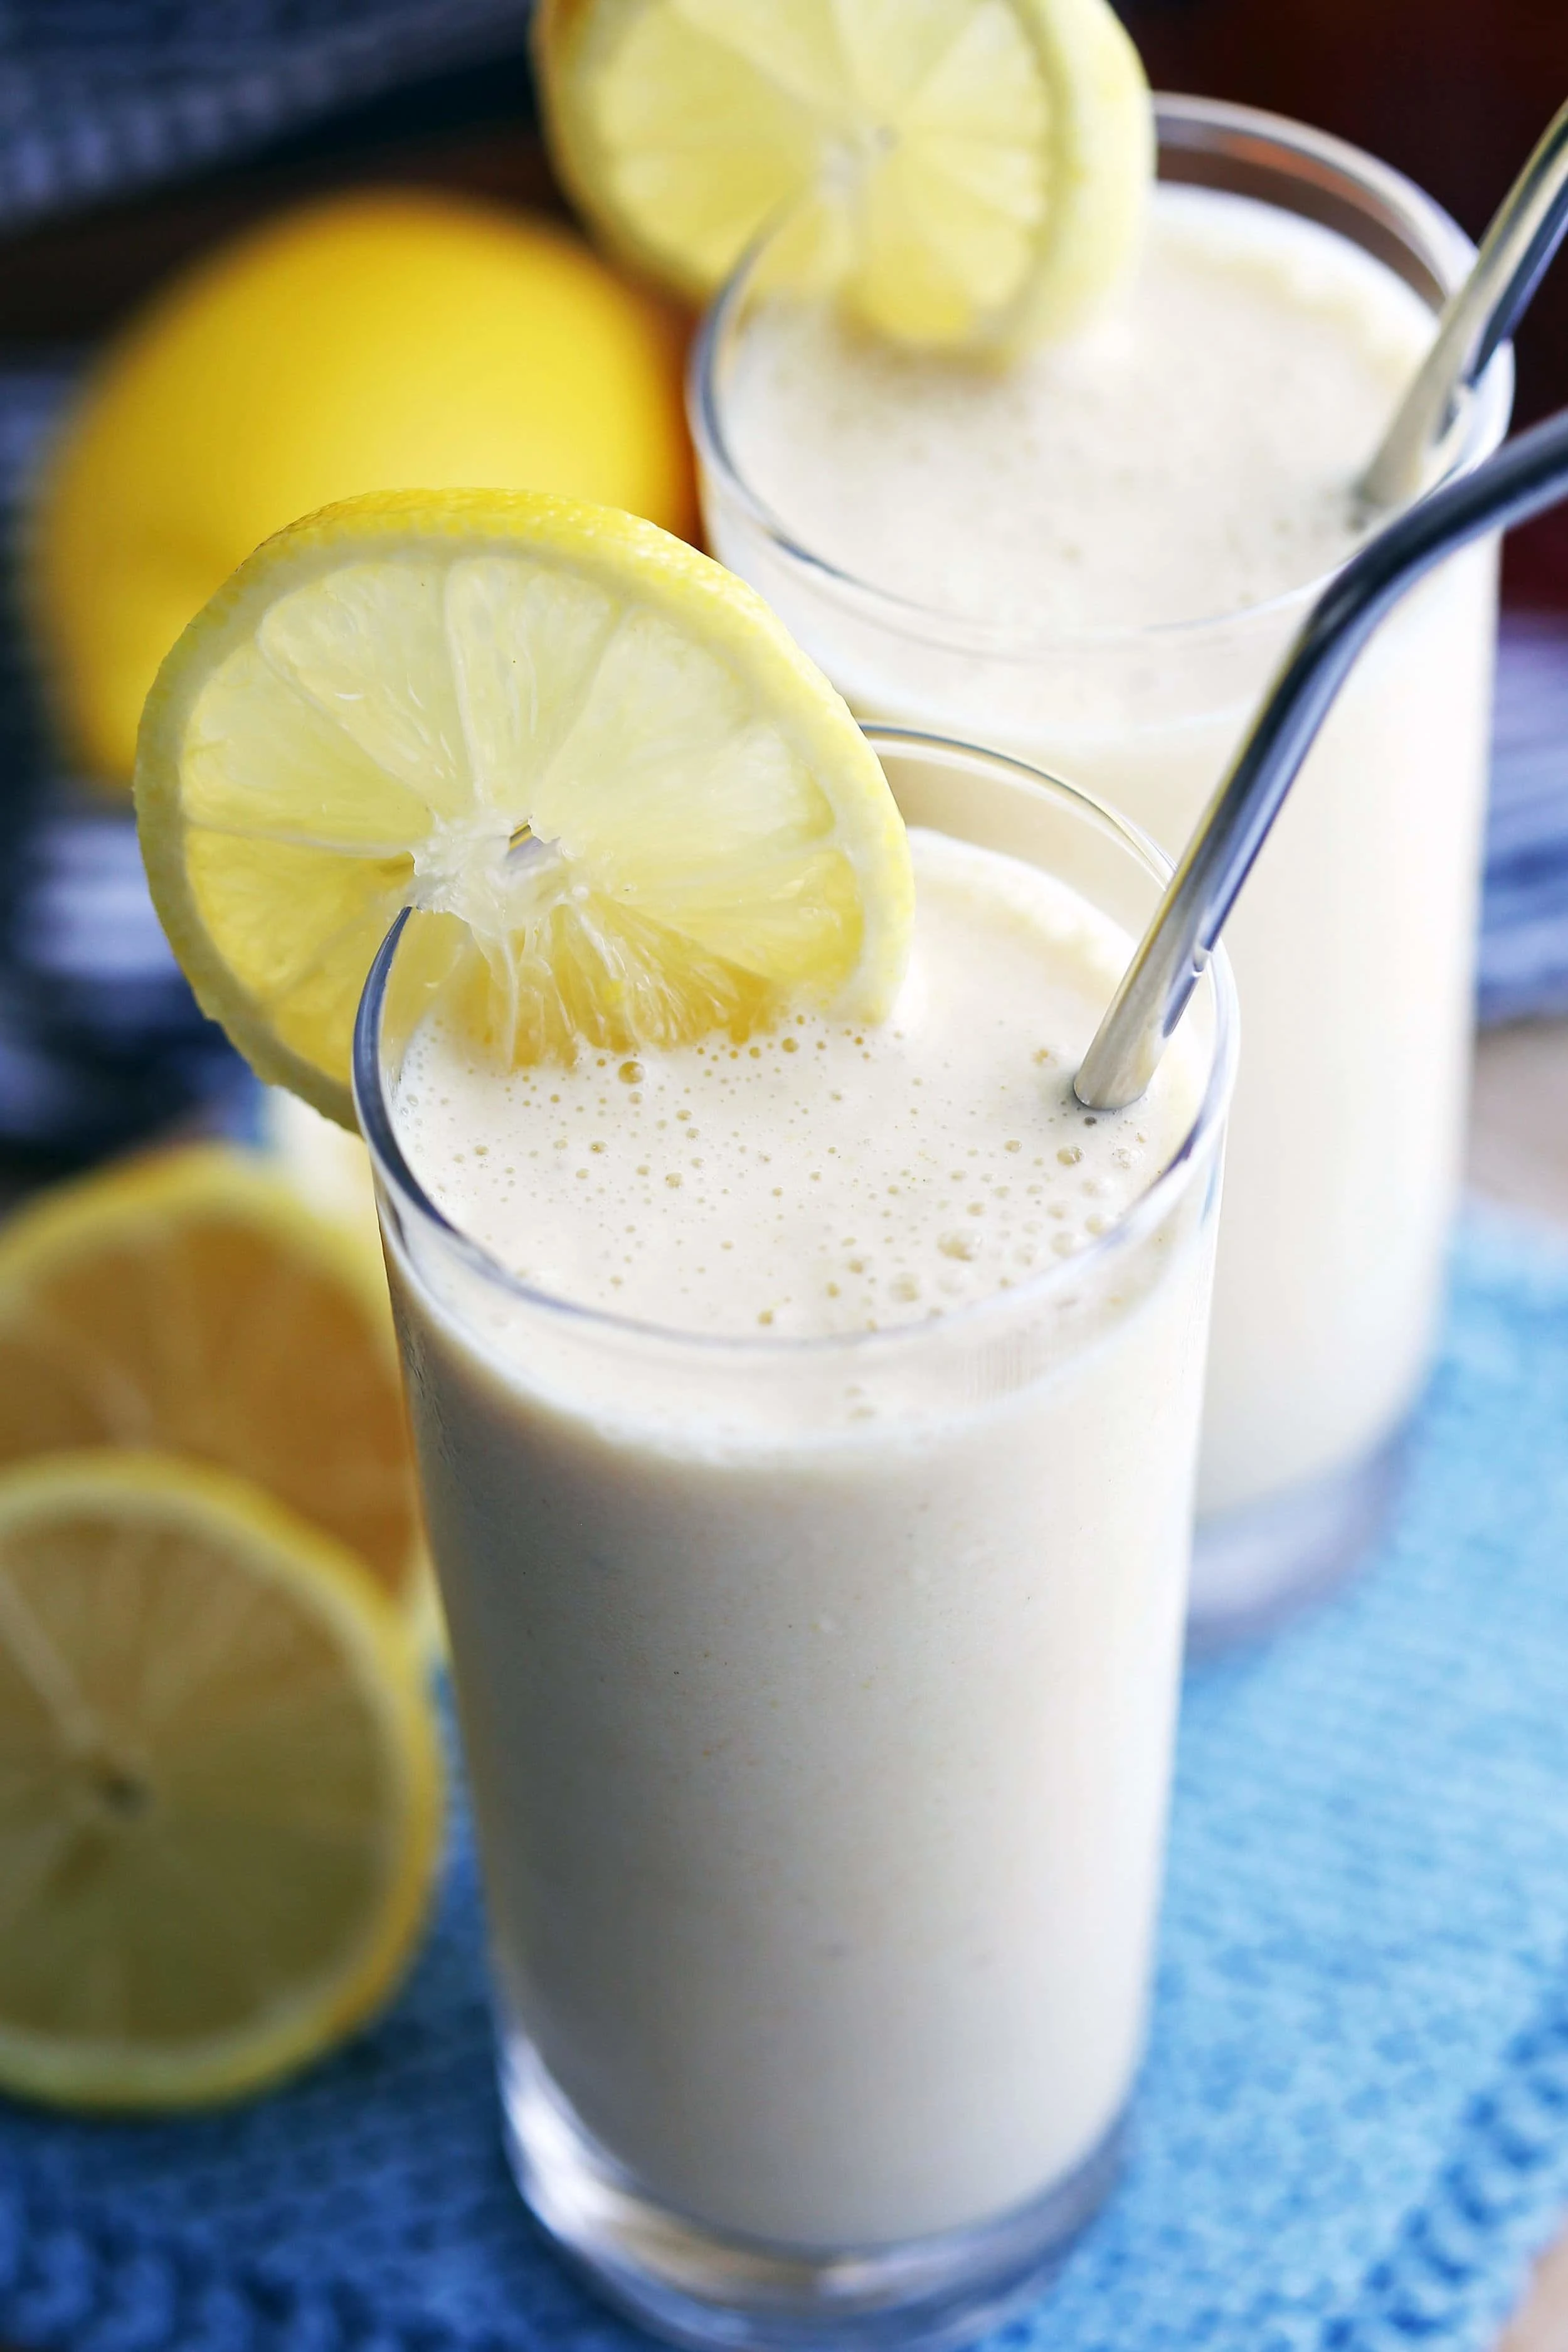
[(1094, 557), (807, 1431)]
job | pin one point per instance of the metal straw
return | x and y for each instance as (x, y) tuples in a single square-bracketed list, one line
[(1525, 477), (1481, 316)]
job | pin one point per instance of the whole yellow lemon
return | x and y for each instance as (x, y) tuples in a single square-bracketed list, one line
[(386, 340)]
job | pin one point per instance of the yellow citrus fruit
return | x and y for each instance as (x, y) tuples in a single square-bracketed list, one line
[(382, 341), (966, 172), (220, 1786), (191, 1304), (649, 814)]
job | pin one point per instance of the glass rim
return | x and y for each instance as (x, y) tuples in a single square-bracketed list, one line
[(1427, 231), (392, 1170)]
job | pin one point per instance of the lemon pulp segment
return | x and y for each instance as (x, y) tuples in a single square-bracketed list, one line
[(220, 1786)]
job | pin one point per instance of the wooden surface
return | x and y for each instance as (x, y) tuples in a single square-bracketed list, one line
[(1519, 1124), (1519, 1154), (1543, 2325)]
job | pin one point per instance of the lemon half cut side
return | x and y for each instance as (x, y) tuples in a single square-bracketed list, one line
[(967, 172), (640, 811), (220, 1786), (188, 1302)]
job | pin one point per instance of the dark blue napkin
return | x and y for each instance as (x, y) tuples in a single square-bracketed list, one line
[(99, 98), (1524, 966), (100, 1040)]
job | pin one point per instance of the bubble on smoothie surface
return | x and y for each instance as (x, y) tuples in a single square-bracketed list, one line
[(825, 1177)]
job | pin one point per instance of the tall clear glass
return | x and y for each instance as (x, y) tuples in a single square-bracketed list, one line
[(1352, 943), (818, 1698)]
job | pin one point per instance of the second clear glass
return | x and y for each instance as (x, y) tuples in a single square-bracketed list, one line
[(1353, 941)]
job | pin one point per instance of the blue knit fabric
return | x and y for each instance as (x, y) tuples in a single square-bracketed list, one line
[(1355, 2127), (1524, 960), (100, 98)]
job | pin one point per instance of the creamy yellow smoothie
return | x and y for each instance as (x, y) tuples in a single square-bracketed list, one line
[(805, 1387), (809, 1486), (1093, 556)]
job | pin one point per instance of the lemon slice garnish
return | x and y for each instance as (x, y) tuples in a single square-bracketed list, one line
[(594, 747), (191, 1304), (966, 172), (220, 1786)]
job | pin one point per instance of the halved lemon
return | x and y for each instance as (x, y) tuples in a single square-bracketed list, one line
[(966, 172), (651, 816), (191, 1304), (220, 1786)]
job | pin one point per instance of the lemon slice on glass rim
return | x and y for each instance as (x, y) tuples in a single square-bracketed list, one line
[(635, 809), (220, 1786), (965, 172)]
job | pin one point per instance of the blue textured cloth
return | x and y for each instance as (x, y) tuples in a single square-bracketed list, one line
[(99, 98), (1352, 2131), (1524, 934), (99, 1038)]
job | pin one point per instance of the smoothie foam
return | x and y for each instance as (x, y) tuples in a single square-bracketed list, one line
[(823, 1178), (1185, 455)]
